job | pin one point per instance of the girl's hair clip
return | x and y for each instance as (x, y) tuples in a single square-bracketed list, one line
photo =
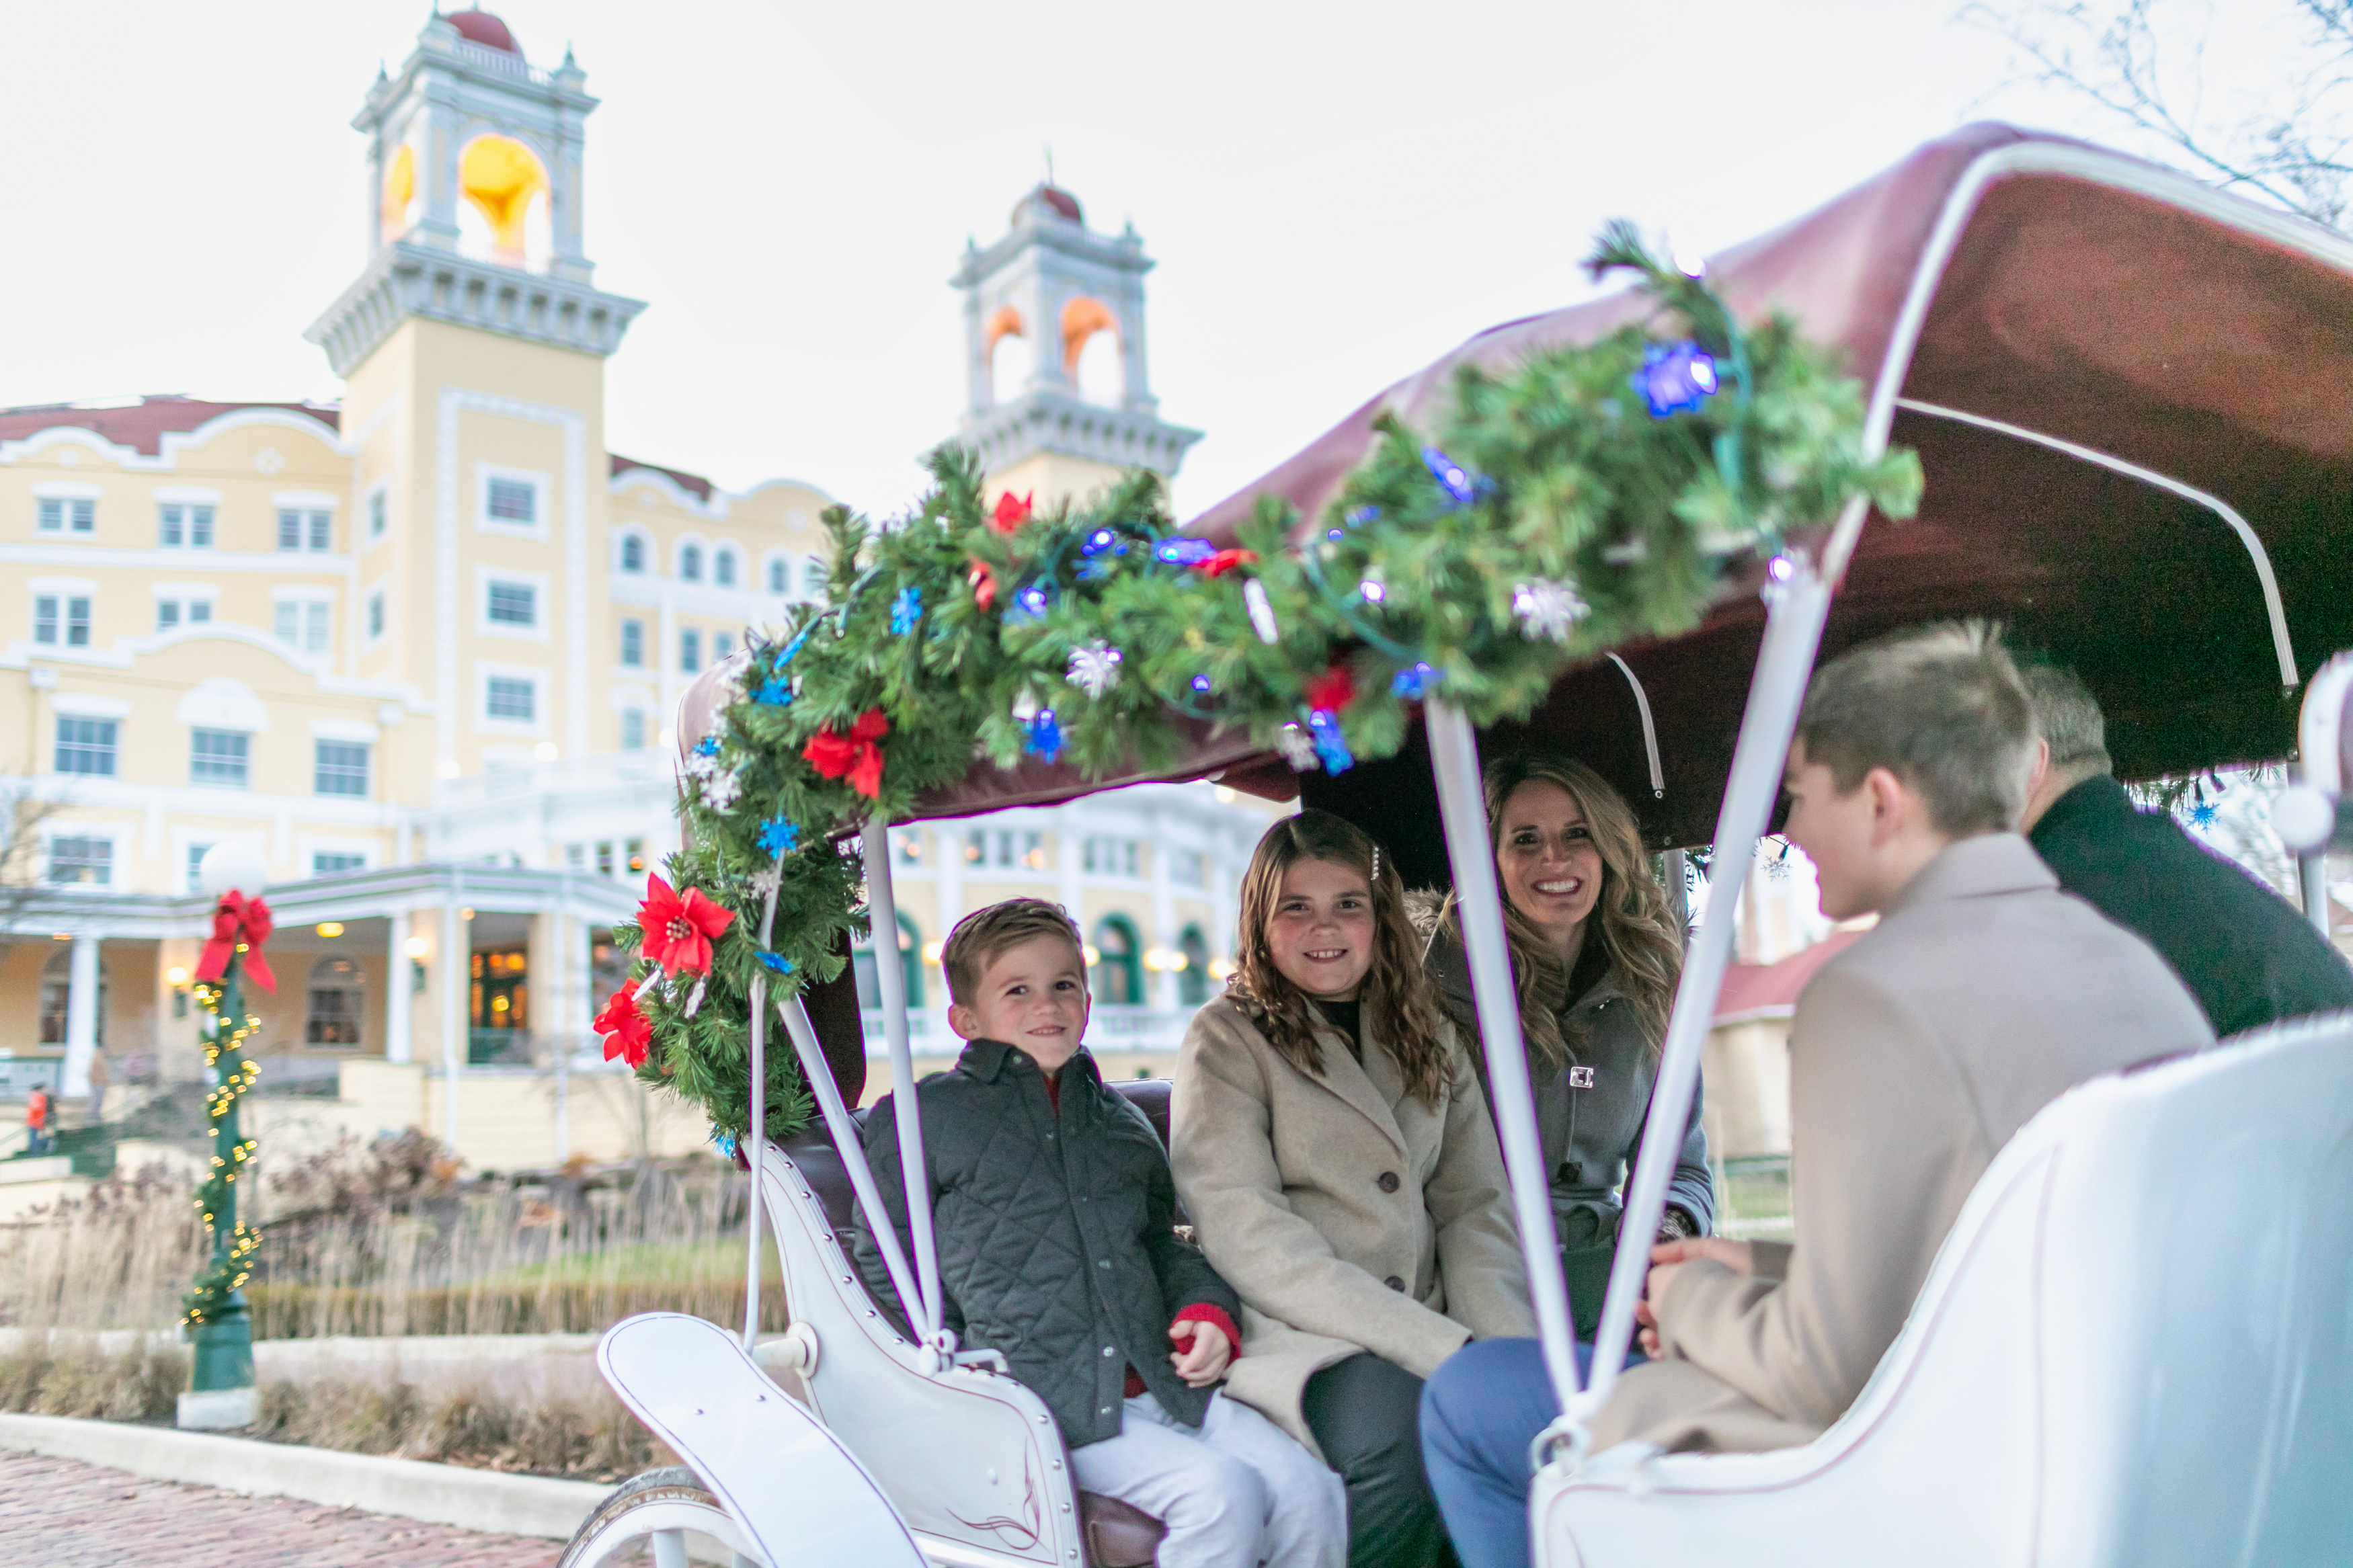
[(1377, 865)]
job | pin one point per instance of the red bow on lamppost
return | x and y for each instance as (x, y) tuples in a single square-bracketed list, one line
[(237, 920)]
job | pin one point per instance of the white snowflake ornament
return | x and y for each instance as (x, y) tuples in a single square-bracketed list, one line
[(1548, 608), (722, 790), (1094, 669), (1298, 749)]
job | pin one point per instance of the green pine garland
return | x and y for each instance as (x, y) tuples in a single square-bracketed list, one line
[(1550, 517), (226, 1027)]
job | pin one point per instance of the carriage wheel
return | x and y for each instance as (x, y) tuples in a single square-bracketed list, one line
[(657, 1507)]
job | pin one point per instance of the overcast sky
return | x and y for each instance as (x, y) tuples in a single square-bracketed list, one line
[(1337, 194)]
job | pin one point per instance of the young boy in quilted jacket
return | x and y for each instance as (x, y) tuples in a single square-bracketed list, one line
[(1054, 1214)]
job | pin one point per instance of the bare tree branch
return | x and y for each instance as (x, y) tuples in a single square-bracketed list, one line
[(2114, 54)]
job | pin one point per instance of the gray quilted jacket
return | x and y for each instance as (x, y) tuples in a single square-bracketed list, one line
[(1056, 1233)]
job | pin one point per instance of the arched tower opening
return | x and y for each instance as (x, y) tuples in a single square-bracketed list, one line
[(1093, 358), (1011, 357), (503, 216), (401, 198)]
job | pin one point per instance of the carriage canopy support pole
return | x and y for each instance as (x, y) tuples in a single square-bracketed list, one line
[(817, 1073), (758, 1135), (1797, 603), (1463, 812), (890, 981)]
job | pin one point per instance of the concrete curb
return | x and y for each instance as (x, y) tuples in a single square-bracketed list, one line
[(407, 1489)]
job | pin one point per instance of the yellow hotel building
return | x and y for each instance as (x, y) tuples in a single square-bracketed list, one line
[(420, 648)]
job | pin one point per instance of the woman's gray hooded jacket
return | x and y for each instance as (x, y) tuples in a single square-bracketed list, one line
[(1590, 1108)]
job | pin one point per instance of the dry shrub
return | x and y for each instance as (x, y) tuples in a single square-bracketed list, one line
[(593, 1438), (75, 1379)]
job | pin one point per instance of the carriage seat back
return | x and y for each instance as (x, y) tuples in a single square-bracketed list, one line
[(2135, 1347)]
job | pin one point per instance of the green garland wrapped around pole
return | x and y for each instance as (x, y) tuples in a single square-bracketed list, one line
[(221, 1391)]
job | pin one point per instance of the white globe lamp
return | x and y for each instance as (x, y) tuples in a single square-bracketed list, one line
[(232, 867)]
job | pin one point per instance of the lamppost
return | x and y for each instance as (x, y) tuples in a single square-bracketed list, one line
[(221, 1391)]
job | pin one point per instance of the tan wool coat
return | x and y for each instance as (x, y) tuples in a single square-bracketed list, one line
[(1982, 994), (1348, 1214)]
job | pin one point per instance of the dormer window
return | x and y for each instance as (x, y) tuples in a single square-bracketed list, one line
[(690, 564)]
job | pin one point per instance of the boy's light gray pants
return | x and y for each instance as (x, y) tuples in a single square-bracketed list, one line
[(1238, 1493)]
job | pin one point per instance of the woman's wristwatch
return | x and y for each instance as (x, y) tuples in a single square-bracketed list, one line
[(1674, 1224)]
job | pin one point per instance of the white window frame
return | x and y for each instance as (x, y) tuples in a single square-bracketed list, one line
[(376, 615), (537, 726), (186, 498), (114, 836), (539, 585), (649, 557), (307, 844), (64, 590), (367, 766), (67, 492), (309, 505), (541, 487), (768, 565), (376, 509), (325, 599), (621, 643), (734, 552), (702, 547), (251, 758)]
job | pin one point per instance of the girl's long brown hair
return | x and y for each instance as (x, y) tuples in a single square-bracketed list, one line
[(1400, 1010), (1631, 919)]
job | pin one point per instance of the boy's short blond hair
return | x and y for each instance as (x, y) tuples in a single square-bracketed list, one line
[(983, 934)]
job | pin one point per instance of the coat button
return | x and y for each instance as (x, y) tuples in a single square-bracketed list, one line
[(1388, 1181), (1108, 1351), (1394, 1283)]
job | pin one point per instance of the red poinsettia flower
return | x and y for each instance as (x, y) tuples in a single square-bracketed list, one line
[(1011, 511), (1329, 691), (1225, 561), (678, 929), (983, 585), (856, 754), (628, 1033)]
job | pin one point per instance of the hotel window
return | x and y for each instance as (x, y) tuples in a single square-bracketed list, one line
[(375, 614), (605, 859), (907, 847), (633, 730), (1106, 857), (196, 853), (780, 578), (723, 568), (184, 526), (377, 507), (62, 516), (689, 650), (61, 620), (633, 553), (299, 529), (217, 757), (341, 767), (172, 614), (303, 624), (326, 863), (82, 861), (1189, 869), (513, 501), (690, 564), (813, 576), (1005, 850), (511, 604), (86, 746), (510, 698), (633, 644), (635, 849), (721, 645)]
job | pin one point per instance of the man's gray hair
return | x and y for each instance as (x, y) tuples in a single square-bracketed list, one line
[(2067, 715), (1942, 708)]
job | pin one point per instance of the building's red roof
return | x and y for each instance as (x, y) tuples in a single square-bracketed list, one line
[(481, 27), (694, 483), (1770, 990), (1056, 198), (140, 425)]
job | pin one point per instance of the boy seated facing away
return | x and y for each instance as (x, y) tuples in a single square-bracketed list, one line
[(1054, 1213)]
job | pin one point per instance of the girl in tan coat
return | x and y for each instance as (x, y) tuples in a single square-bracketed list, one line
[(1333, 1147)]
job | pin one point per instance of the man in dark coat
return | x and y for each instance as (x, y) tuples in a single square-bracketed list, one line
[(2246, 954), (1054, 1212)]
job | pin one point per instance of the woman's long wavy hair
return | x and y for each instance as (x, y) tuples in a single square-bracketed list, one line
[(1400, 1010), (1630, 919)]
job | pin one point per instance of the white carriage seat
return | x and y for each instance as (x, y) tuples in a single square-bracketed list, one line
[(973, 1460), (2136, 1347)]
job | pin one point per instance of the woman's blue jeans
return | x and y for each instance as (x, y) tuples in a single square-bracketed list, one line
[(1480, 1410)]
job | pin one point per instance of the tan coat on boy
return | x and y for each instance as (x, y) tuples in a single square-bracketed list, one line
[(1346, 1213)]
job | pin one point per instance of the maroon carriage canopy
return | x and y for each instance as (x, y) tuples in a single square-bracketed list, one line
[(2133, 398)]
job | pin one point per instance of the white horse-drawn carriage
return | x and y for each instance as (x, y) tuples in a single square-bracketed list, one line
[(2132, 398)]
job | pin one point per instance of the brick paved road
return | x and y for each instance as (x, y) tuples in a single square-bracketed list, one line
[(56, 1513)]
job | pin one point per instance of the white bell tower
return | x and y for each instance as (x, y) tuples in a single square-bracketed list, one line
[(1055, 285)]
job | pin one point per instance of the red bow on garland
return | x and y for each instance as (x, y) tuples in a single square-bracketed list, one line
[(1329, 691), (238, 919), (1010, 513), (628, 1032), (856, 754)]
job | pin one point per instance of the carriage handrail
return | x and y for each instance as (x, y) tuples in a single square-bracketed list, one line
[(924, 1313)]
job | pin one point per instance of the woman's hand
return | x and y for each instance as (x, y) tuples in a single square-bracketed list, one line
[(1205, 1363), (1670, 1255)]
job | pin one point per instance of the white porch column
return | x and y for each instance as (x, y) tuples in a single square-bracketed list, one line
[(947, 875), (581, 991), (81, 1015), (1162, 981), (397, 996)]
